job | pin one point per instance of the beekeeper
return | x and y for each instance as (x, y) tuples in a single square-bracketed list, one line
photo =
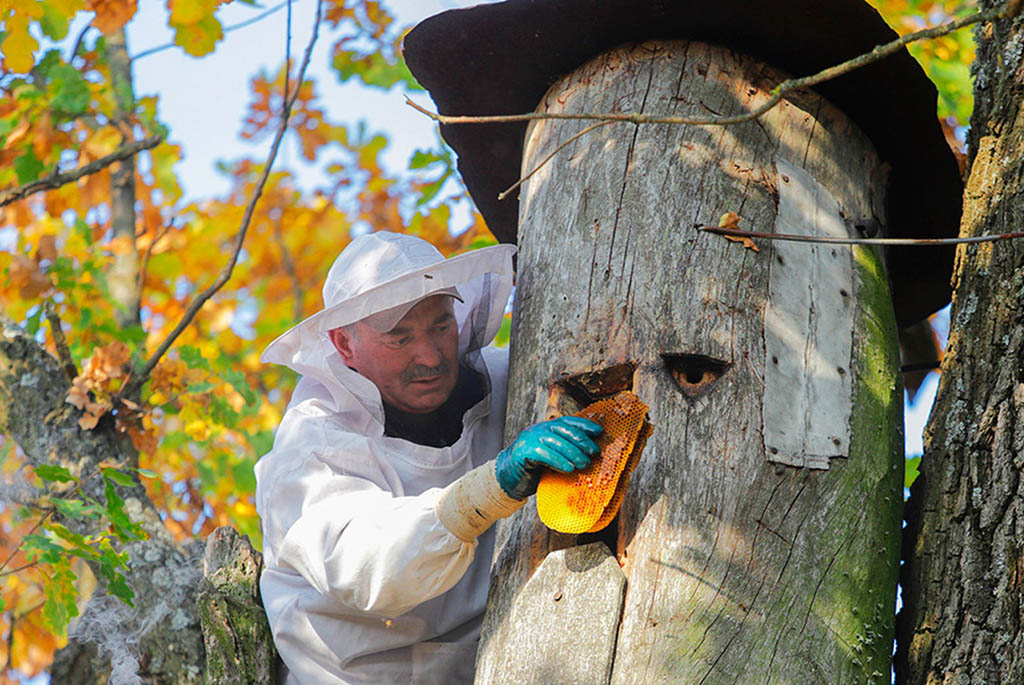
[(388, 467)]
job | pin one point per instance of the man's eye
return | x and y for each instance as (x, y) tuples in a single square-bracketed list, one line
[(398, 342)]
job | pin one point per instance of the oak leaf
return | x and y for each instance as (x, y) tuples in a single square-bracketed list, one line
[(731, 220), (111, 15)]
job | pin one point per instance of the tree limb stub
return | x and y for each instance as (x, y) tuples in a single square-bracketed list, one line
[(54, 181)]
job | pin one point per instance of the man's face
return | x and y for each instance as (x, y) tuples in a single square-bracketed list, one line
[(414, 364)]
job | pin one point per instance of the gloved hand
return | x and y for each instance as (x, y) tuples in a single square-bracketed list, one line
[(564, 444)]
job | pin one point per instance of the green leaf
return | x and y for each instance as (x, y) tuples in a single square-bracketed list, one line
[(42, 548), (75, 508), (118, 587), (193, 357), (373, 69), (147, 473), (34, 321), (119, 477), (54, 23), (60, 593), (53, 472), (911, 471), (501, 339), (72, 98), (244, 475), (27, 167), (424, 158), (430, 191), (125, 529), (239, 382)]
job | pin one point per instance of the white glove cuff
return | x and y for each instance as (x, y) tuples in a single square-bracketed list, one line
[(472, 503)]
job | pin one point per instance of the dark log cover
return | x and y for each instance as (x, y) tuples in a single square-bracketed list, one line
[(501, 58)]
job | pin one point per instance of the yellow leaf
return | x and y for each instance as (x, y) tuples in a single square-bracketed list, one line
[(19, 45), (199, 39)]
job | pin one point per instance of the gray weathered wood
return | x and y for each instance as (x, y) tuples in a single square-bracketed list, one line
[(738, 569), (562, 624)]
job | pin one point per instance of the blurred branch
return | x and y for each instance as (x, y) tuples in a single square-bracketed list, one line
[(289, 269), (67, 364), (776, 95), (144, 267), (38, 523), (57, 180), (140, 378)]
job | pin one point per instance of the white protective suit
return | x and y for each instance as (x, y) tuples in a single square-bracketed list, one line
[(362, 582)]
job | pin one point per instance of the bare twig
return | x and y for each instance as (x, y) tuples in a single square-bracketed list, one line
[(834, 240), (250, 208), (776, 95), (38, 523), (227, 29), (289, 269), (78, 41), (144, 267), (288, 50), (27, 565), (54, 181), (508, 191), (67, 364)]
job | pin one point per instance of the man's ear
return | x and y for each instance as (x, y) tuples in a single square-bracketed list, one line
[(343, 343)]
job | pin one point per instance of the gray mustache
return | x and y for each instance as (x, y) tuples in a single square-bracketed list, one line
[(419, 371)]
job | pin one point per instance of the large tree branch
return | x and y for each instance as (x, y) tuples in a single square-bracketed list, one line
[(140, 377), (54, 181)]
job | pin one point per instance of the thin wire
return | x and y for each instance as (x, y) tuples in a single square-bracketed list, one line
[(858, 241)]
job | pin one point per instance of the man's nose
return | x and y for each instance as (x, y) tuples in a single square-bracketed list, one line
[(427, 352)]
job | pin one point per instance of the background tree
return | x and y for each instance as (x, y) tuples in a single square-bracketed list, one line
[(963, 579), (112, 474)]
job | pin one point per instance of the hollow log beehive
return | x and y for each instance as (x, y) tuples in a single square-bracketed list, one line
[(758, 540)]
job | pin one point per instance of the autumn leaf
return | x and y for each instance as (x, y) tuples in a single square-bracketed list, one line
[(46, 248), (18, 45), (111, 15), (25, 277), (731, 220)]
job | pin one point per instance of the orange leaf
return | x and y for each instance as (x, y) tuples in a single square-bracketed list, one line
[(732, 220), (729, 220), (47, 248), (24, 274), (111, 15)]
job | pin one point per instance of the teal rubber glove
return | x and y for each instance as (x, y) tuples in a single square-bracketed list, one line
[(564, 444)]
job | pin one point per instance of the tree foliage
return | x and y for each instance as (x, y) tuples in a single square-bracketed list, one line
[(208, 409)]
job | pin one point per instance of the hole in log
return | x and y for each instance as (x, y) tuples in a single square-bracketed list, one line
[(694, 373), (587, 388)]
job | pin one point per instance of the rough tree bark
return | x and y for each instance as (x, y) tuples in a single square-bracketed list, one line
[(963, 577), (757, 544)]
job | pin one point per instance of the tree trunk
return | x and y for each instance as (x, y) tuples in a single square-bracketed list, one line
[(747, 548), (963, 602), (178, 603), (123, 276)]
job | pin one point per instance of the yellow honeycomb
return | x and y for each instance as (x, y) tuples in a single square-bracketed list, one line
[(586, 501)]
